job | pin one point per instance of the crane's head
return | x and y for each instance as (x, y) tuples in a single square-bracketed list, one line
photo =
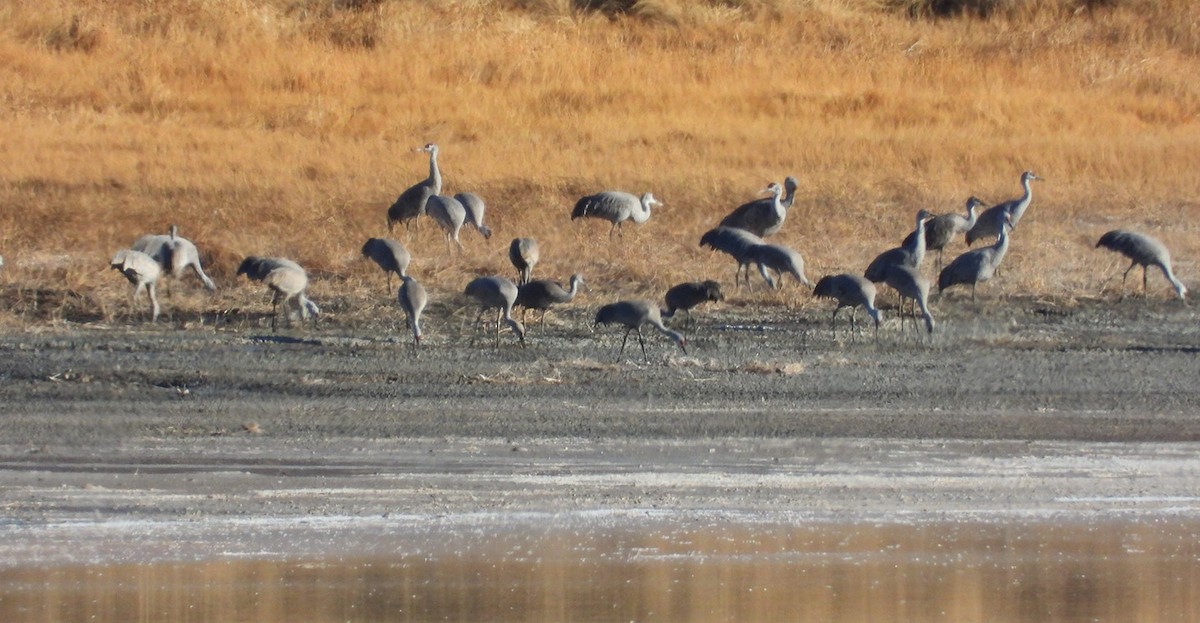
[(1029, 176), (790, 184), (431, 148), (772, 189), (712, 291), (649, 200), (973, 204)]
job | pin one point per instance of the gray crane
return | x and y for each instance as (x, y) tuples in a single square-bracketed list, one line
[(475, 208), (412, 299), (496, 293), (764, 217), (411, 203), (943, 228), (780, 259), (542, 294), (615, 207), (174, 255), (524, 255), (849, 291), (685, 296), (991, 222), (450, 214), (632, 315), (976, 265), (287, 277), (737, 244), (142, 271), (908, 254), (1142, 250), (389, 255), (908, 283)]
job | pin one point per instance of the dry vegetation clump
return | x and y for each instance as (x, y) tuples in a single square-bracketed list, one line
[(286, 127)]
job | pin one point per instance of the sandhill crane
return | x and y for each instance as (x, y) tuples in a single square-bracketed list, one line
[(411, 203), (412, 299), (542, 294), (632, 315), (496, 293), (142, 271), (687, 295), (780, 259), (475, 208), (943, 228), (737, 244), (450, 214), (908, 283), (261, 268), (1144, 250), (850, 291), (911, 254), (287, 284), (615, 207), (976, 265), (764, 217), (174, 255), (390, 255), (991, 222), (524, 254)]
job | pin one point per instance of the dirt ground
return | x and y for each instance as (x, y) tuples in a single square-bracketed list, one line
[(1012, 406)]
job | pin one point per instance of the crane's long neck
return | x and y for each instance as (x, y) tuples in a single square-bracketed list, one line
[(677, 337), (574, 288), (1180, 289), (642, 213), (435, 175), (777, 203), (1001, 246), (972, 215), (790, 197)]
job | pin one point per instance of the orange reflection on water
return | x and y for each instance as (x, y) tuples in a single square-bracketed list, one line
[(662, 571)]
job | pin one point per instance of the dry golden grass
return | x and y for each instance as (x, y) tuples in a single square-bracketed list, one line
[(287, 127)]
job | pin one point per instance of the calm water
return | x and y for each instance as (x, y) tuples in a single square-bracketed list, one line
[(655, 570)]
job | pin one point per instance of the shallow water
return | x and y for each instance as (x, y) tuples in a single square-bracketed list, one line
[(656, 568)]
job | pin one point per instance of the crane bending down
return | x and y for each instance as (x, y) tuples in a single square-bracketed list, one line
[(976, 265), (496, 293), (1142, 250), (615, 207), (850, 291), (943, 228), (543, 294), (737, 244), (524, 255), (174, 255), (450, 214), (992, 221), (143, 272), (780, 259), (632, 315), (687, 295), (908, 283), (475, 208), (411, 203), (389, 255), (285, 279), (764, 217), (412, 298), (907, 254)]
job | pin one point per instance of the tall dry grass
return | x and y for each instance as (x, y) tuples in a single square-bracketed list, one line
[(286, 127)]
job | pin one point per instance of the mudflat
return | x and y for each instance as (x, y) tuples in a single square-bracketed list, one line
[(1017, 405)]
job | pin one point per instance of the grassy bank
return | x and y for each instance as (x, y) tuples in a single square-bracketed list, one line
[(273, 127)]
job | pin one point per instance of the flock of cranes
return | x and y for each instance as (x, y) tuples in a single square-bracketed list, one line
[(741, 235)]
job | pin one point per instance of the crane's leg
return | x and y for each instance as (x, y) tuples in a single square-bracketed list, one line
[(498, 314), (642, 341), (153, 304), (274, 311), (389, 282), (623, 340), (1144, 289), (833, 322), (972, 292)]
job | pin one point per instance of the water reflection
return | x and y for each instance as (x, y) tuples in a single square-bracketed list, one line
[(661, 572)]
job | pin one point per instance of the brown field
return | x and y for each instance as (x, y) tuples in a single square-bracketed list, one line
[(281, 127)]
